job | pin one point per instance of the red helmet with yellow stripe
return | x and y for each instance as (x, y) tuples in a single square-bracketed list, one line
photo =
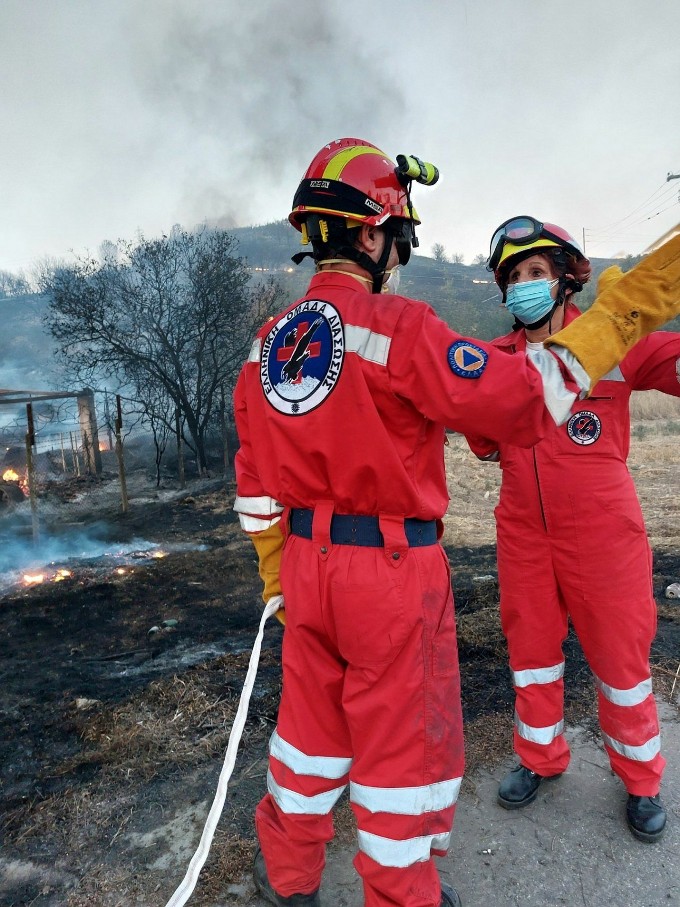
[(352, 179), (350, 184)]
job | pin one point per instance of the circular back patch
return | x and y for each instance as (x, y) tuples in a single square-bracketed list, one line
[(584, 428), (302, 356), (467, 360)]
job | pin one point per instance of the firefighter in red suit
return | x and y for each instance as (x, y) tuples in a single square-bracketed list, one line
[(341, 411), (572, 541)]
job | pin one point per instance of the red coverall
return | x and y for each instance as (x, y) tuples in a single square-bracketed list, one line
[(572, 543), (341, 408)]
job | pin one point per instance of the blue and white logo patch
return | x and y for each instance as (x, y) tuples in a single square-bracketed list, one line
[(302, 357), (466, 359), (584, 428)]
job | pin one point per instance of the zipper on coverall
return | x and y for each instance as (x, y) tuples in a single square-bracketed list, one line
[(538, 488)]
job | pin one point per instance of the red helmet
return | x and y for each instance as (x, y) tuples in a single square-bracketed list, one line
[(352, 179), (522, 236)]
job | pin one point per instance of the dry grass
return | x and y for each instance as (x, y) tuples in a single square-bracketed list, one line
[(652, 456), (488, 740), (646, 406), (174, 720), (482, 629)]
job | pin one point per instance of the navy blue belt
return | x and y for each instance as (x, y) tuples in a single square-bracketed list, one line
[(363, 530)]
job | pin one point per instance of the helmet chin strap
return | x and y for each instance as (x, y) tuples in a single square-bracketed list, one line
[(375, 268), (534, 326), (378, 268)]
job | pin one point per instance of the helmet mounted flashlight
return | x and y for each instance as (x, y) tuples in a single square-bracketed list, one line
[(410, 167)]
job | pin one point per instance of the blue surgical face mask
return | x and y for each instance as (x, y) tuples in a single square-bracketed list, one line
[(531, 300)]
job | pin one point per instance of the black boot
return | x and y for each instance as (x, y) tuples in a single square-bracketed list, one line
[(450, 897), (646, 817), (267, 893), (520, 787)]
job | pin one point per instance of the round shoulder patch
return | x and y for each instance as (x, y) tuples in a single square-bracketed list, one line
[(467, 360), (584, 428), (302, 357)]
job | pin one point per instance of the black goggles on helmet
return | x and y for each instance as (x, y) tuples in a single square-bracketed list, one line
[(520, 231)]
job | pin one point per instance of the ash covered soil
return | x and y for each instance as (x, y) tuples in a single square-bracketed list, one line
[(112, 733)]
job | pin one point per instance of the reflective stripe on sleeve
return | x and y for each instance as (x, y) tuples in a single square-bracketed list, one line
[(255, 524), (538, 675), (542, 735), (302, 764), (578, 373), (558, 398), (257, 514), (406, 801), (365, 343), (255, 349), (293, 803), (643, 753), (632, 696), (400, 854)]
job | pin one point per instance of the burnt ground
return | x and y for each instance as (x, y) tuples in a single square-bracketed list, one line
[(112, 733)]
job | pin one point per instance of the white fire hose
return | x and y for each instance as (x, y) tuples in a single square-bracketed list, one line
[(186, 888)]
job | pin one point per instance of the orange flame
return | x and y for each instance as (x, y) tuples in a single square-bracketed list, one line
[(9, 475), (32, 579)]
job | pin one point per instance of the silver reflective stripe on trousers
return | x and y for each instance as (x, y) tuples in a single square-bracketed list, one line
[(632, 696), (406, 801), (643, 753), (542, 735), (293, 803), (400, 854), (538, 675), (302, 764)]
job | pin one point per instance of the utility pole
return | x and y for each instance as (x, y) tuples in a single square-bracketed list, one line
[(584, 240)]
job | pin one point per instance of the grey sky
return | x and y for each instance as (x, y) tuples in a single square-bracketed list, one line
[(123, 116)]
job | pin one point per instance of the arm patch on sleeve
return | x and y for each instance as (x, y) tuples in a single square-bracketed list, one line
[(466, 359)]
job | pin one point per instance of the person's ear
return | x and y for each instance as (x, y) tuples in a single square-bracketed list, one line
[(369, 238), (571, 285)]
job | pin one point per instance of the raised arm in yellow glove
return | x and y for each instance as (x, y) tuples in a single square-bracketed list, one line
[(627, 308), (269, 544)]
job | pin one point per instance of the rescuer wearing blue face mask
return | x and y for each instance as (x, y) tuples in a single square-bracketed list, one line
[(571, 538)]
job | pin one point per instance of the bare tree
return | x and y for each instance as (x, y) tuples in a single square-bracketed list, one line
[(479, 259), (171, 317), (13, 284), (438, 252), (458, 258)]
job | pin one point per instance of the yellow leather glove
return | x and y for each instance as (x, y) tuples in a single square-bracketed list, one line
[(627, 308), (269, 544)]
